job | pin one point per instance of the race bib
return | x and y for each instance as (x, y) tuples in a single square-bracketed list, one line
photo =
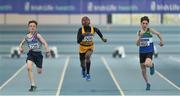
[(144, 43), (88, 38), (34, 46)]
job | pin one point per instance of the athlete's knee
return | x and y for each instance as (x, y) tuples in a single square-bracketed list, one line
[(82, 64), (29, 65), (88, 61), (29, 69), (88, 58), (143, 70), (82, 59), (148, 62), (39, 71)]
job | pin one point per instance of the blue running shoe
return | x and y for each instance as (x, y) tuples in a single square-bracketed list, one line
[(152, 70), (148, 86), (83, 74), (88, 77)]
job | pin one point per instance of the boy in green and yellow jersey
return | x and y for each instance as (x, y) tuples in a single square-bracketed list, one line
[(146, 47)]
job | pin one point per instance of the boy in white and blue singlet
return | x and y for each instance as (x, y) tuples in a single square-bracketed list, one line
[(146, 48), (34, 41)]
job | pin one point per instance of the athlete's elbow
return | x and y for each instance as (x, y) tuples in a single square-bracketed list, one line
[(45, 44), (158, 34)]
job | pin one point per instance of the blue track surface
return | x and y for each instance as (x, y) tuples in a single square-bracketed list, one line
[(126, 71)]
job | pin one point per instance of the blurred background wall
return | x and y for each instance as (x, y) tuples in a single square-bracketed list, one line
[(118, 20)]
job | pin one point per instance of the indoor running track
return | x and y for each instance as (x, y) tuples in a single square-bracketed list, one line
[(110, 76)]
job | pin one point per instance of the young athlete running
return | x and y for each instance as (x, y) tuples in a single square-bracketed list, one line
[(86, 45), (146, 47), (34, 41)]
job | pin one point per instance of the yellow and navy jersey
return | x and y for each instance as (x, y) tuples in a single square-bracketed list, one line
[(84, 31), (146, 42), (88, 39), (85, 38)]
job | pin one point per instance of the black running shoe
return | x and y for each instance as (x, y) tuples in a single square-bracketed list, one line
[(33, 88), (148, 86)]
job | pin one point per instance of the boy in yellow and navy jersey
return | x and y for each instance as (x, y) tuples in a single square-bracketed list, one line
[(85, 40)]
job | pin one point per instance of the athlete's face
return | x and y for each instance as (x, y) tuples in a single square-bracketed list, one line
[(32, 27), (144, 24), (85, 21)]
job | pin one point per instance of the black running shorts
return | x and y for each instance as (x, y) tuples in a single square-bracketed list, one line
[(143, 56), (35, 57)]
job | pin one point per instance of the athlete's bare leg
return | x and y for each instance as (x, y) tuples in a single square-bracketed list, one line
[(143, 69), (88, 60), (30, 73)]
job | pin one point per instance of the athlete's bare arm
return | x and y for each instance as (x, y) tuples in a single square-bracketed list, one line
[(43, 41), (100, 34), (21, 45), (80, 37), (158, 35), (137, 39)]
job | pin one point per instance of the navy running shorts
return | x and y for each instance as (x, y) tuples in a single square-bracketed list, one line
[(35, 57)]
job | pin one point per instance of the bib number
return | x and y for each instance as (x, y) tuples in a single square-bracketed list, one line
[(34, 46), (144, 43), (88, 38)]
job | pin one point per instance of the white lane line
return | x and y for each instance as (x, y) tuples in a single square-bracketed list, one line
[(167, 80), (112, 76), (174, 59), (62, 76), (12, 77)]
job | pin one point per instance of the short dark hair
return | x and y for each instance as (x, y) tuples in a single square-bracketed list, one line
[(32, 21), (145, 18)]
